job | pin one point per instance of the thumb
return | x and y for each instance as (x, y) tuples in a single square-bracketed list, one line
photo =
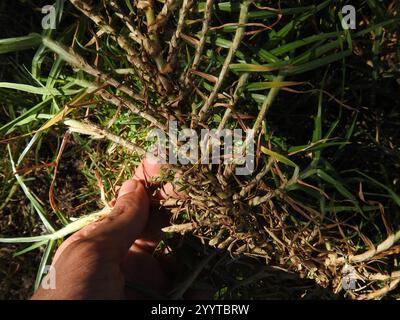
[(116, 232)]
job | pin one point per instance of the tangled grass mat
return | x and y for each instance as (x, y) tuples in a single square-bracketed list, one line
[(322, 201)]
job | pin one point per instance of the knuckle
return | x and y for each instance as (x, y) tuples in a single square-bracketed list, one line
[(86, 248)]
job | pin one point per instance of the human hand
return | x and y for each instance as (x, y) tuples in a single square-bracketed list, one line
[(106, 258)]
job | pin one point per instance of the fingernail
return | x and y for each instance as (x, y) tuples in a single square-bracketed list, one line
[(128, 187), (151, 159)]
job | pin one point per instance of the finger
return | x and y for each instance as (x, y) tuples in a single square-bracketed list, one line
[(115, 233), (142, 269), (153, 233), (169, 191), (148, 171)]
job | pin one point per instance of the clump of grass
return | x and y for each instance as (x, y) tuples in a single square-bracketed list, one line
[(323, 197)]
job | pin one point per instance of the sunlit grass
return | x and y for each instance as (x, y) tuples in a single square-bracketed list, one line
[(314, 92)]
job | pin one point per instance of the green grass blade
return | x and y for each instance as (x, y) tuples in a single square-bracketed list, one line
[(30, 89), (42, 238), (395, 197), (293, 70), (245, 67), (278, 157), (35, 203), (20, 43), (28, 147), (258, 86), (47, 255), (9, 127), (303, 42), (337, 184), (30, 248)]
